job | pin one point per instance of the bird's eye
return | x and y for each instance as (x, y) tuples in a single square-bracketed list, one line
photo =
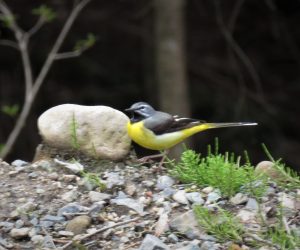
[(142, 107)]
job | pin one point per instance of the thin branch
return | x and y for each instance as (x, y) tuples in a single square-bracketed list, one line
[(30, 96), (13, 25), (67, 55), (9, 43), (40, 22), (100, 231), (61, 37)]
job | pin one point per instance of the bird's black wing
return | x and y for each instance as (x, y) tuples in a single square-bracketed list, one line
[(161, 123), (183, 123)]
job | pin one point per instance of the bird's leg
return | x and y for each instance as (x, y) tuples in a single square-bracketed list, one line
[(163, 156)]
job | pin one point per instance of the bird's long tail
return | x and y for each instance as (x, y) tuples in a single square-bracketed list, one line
[(204, 126), (229, 124)]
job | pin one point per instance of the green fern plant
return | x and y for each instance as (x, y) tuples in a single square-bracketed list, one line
[(221, 224), (222, 171)]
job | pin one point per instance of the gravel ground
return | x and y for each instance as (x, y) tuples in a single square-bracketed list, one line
[(46, 205)]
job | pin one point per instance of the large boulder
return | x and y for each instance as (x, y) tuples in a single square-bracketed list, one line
[(97, 131)]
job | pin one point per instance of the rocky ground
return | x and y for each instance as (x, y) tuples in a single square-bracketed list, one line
[(46, 205)]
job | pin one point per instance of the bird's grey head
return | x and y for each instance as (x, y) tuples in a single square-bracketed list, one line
[(140, 111)]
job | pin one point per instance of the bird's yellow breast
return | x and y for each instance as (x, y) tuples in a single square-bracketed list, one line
[(146, 138)]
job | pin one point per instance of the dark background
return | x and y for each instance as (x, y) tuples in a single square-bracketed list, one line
[(119, 69)]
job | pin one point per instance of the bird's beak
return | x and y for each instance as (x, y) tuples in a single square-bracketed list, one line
[(130, 110)]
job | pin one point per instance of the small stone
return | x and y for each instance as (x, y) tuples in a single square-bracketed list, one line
[(79, 224), (287, 201), (194, 245), (186, 224), (239, 199), (151, 242), (53, 176), (19, 223), (65, 233), (70, 195), (247, 216), (208, 245), (6, 226), (33, 175), (130, 189), (268, 168), (148, 183), (207, 190), (252, 204), (19, 163), (53, 218), (40, 191), (19, 233), (130, 203), (37, 239), (113, 179), (96, 208), (213, 196), (71, 208), (164, 182), (195, 198), (69, 177), (172, 238), (75, 167), (97, 196), (180, 197)]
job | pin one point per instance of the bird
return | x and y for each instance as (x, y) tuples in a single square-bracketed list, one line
[(157, 130)]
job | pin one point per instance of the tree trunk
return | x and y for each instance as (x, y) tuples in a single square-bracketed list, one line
[(170, 59)]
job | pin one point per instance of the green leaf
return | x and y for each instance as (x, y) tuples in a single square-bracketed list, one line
[(86, 43), (7, 20), (44, 12), (10, 110)]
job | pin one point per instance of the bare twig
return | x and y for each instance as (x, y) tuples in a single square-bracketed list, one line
[(32, 87), (9, 43), (40, 22), (68, 55), (100, 231)]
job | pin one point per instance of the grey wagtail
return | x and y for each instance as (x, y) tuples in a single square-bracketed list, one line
[(158, 130)]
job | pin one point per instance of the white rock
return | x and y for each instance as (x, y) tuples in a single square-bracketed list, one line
[(99, 131), (70, 195), (19, 233), (97, 196), (180, 197), (195, 198), (238, 199)]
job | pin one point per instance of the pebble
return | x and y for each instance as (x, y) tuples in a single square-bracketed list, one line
[(19, 163), (79, 224), (195, 198), (70, 195), (252, 205), (213, 197), (207, 190), (97, 196), (238, 199), (180, 197), (186, 224), (19, 233), (130, 203), (113, 179), (151, 242), (164, 182), (71, 208), (37, 239)]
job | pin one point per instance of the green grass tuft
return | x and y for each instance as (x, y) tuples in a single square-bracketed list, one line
[(222, 171), (221, 224)]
